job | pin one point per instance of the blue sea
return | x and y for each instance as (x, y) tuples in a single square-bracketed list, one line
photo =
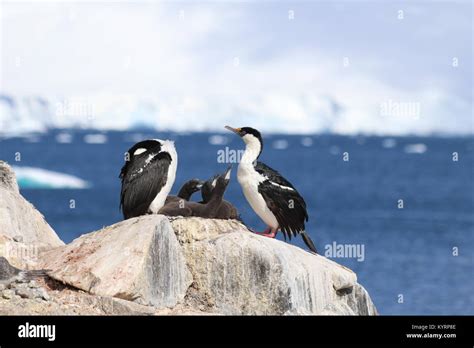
[(403, 201)]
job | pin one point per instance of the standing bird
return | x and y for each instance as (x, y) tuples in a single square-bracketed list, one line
[(147, 177), (9, 273), (271, 196)]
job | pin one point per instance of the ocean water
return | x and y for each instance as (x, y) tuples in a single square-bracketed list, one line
[(406, 259)]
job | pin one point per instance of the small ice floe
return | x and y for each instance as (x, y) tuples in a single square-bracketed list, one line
[(389, 143), (218, 140), (95, 138), (64, 138), (36, 178), (334, 150), (307, 141), (415, 148), (183, 133), (280, 144)]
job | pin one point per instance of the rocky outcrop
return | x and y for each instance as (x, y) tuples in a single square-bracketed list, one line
[(238, 272), (138, 260), (8, 178), (214, 266), (158, 265), (24, 233)]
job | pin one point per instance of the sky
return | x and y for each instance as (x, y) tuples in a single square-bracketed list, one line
[(346, 67)]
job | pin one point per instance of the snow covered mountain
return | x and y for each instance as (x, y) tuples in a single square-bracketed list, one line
[(282, 114)]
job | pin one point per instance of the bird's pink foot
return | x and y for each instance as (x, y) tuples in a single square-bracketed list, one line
[(269, 232)]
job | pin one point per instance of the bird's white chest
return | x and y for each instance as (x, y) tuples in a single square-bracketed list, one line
[(249, 179), (160, 198)]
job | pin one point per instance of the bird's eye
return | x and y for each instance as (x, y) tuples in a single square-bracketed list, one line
[(139, 151)]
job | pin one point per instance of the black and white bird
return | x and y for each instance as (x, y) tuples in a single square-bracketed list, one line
[(147, 177), (273, 198)]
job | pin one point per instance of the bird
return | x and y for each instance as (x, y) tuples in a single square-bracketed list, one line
[(226, 209), (273, 198), (186, 191), (10, 274), (207, 209), (147, 177)]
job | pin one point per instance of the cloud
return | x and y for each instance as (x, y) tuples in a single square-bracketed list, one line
[(189, 66)]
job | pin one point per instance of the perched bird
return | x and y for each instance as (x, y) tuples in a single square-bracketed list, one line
[(147, 177), (226, 209), (208, 209), (273, 198), (186, 191), (9, 273)]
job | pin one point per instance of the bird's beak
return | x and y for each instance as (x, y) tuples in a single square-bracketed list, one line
[(227, 173), (199, 185), (235, 130)]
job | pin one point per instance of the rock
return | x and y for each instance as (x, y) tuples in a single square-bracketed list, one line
[(115, 306), (239, 272), (42, 293), (194, 265), (25, 293), (2, 287), (68, 302), (19, 285), (8, 178), (30, 290), (8, 294), (138, 260), (23, 231)]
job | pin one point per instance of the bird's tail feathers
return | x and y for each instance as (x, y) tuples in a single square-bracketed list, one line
[(309, 243)]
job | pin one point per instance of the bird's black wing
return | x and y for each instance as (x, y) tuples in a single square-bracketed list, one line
[(283, 200), (141, 183), (272, 175)]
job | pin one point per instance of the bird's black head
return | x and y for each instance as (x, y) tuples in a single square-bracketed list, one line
[(242, 132), (222, 181), (250, 136), (218, 180), (145, 147), (193, 185), (189, 188), (207, 187), (140, 151)]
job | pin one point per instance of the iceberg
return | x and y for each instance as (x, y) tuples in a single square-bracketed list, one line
[(415, 148), (95, 138), (39, 178), (280, 144), (299, 114), (218, 139)]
